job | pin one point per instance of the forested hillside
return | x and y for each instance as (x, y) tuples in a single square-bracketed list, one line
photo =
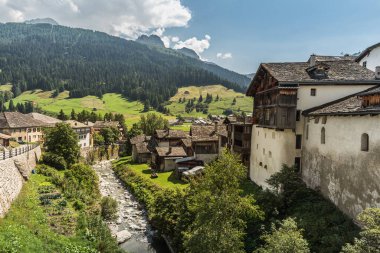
[(85, 62)]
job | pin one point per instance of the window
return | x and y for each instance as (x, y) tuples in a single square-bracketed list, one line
[(313, 92), (307, 132), (316, 120), (324, 119), (298, 115), (365, 64), (270, 154), (365, 142), (298, 141), (263, 151), (323, 136), (297, 163)]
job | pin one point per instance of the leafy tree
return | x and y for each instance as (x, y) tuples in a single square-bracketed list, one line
[(62, 115), (98, 139), (63, 141), (151, 122), (110, 135), (287, 239), (369, 240), (220, 211)]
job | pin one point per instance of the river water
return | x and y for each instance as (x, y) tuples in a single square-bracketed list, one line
[(132, 221)]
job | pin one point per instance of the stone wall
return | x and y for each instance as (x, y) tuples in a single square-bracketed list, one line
[(13, 172)]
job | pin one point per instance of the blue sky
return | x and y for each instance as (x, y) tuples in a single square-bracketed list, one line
[(242, 33), (278, 30)]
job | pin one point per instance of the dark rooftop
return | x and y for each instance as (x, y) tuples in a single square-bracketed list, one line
[(140, 139), (170, 134), (207, 133), (142, 148), (18, 120), (170, 152)]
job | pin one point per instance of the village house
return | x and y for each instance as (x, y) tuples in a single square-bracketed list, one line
[(83, 131), (140, 150), (21, 127), (281, 92), (169, 137), (340, 151), (4, 140), (370, 58), (205, 141), (238, 141), (99, 125), (49, 121), (164, 157)]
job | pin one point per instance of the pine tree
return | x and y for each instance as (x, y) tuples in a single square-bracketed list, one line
[(12, 107), (73, 115), (62, 115)]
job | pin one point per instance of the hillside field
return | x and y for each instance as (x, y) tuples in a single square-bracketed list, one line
[(226, 96)]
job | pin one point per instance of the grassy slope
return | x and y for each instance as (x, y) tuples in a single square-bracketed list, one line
[(226, 97), (110, 102), (26, 228)]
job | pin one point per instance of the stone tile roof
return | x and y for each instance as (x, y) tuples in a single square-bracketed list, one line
[(350, 105), (207, 133), (5, 136), (322, 58), (140, 139), (76, 124), (170, 134), (44, 118), (170, 152), (142, 148), (339, 71), (187, 142), (104, 124), (18, 120)]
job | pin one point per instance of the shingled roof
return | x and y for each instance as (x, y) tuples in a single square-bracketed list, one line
[(18, 120), (207, 133), (170, 134), (142, 148), (76, 124), (170, 152), (44, 118), (140, 139), (350, 105)]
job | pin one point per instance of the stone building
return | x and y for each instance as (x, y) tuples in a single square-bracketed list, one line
[(340, 151), (370, 57), (164, 157), (83, 131), (140, 149), (169, 137), (281, 92)]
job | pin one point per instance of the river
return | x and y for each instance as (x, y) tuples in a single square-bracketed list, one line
[(132, 228)]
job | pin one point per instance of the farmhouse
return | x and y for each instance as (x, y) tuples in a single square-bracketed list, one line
[(169, 137), (99, 125), (140, 150), (83, 131), (21, 127), (165, 157)]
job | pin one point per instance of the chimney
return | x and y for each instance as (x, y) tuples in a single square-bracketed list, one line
[(170, 150), (377, 72), (216, 126), (312, 60)]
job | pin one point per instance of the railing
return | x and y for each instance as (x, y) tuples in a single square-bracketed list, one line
[(6, 154)]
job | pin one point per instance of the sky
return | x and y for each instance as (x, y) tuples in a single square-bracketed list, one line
[(236, 34)]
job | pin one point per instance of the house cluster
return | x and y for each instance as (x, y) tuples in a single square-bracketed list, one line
[(178, 150), (24, 128), (323, 117)]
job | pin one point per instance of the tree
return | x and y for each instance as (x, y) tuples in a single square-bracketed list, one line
[(63, 141), (220, 210), (151, 122), (73, 115), (370, 235), (146, 106), (287, 239), (234, 101), (62, 115), (110, 135), (200, 99), (12, 107)]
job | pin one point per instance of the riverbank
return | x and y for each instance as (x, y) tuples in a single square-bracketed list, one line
[(132, 227)]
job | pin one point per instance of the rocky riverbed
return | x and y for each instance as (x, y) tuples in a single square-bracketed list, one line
[(131, 228)]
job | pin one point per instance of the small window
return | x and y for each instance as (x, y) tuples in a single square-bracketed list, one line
[(313, 92), (316, 120), (298, 115), (257, 146), (265, 166), (270, 154), (297, 163), (323, 136), (307, 132), (365, 142), (324, 119), (263, 151), (365, 64), (298, 141), (261, 164)]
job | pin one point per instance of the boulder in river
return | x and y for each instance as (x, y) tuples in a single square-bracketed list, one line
[(123, 236)]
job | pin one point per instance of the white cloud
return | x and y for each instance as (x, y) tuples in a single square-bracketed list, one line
[(127, 18), (175, 39), (224, 56), (198, 45)]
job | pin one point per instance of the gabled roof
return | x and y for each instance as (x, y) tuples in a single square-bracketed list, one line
[(349, 105), (207, 133), (187, 142), (170, 152), (170, 134), (366, 51), (142, 148), (44, 118), (18, 120), (76, 124), (140, 139)]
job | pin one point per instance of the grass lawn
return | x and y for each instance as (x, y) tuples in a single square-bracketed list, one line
[(111, 102), (26, 228), (226, 96), (184, 127), (165, 179)]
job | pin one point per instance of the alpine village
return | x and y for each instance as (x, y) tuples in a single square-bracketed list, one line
[(115, 145)]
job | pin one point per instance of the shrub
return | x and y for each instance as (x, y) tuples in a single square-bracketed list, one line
[(50, 172), (54, 160), (108, 208)]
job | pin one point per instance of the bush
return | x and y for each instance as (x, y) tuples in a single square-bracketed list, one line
[(54, 160), (109, 208), (50, 172)]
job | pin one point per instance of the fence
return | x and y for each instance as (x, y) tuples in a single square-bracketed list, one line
[(6, 154)]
